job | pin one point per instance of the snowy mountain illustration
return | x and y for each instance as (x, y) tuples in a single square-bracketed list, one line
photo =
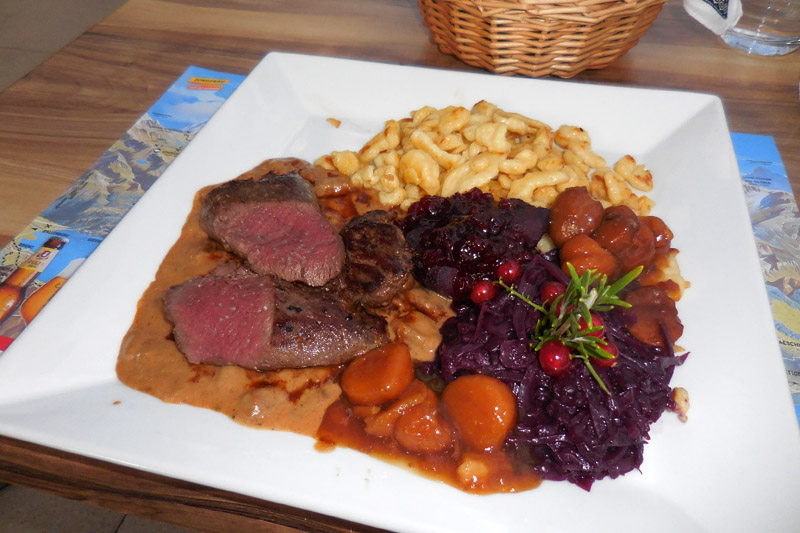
[(103, 194), (776, 228), (776, 221)]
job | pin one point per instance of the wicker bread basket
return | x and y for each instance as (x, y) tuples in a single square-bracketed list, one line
[(538, 37)]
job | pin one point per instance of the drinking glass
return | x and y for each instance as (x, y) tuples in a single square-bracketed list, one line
[(767, 27)]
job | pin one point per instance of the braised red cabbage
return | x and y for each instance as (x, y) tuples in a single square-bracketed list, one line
[(463, 238), (568, 427)]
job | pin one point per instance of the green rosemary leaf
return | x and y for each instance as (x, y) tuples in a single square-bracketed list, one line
[(561, 319), (601, 353), (513, 292), (596, 377), (623, 282)]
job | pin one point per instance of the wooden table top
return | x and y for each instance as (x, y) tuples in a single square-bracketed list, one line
[(61, 117)]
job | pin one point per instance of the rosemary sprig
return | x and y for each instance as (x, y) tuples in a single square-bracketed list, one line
[(561, 319), (513, 292)]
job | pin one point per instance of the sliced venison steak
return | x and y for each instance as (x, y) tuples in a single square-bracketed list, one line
[(378, 260), (312, 327), (263, 323), (275, 224), (222, 320)]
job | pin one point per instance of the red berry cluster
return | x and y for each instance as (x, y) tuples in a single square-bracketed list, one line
[(555, 357), (484, 290)]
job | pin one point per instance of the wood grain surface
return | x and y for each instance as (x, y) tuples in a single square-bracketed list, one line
[(134, 492), (62, 116)]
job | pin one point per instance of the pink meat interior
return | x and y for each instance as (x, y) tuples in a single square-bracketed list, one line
[(223, 320), (291, 240)]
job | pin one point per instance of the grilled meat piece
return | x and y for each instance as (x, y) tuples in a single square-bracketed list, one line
[(378, 260), (274, 223), (222, 320), (264, 323)]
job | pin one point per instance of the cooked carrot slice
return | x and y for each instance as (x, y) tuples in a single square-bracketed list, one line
[(482, 408), (378, 376)]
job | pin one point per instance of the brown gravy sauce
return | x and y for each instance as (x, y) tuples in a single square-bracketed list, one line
[(150, 362), (304, 401), (288, 400)]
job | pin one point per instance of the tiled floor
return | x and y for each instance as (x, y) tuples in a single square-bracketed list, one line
[(30, 32)]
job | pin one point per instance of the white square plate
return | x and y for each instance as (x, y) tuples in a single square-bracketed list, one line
[(734, 466)]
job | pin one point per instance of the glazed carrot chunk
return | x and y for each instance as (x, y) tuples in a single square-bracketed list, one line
[(382, 423), (423, 430), (378, 376), (483, 409), (585, 253)]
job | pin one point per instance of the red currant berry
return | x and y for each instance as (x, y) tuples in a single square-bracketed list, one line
[(551, 290), (509, 271), (596, 321), (554, 358), (608, 363), (483, 291)]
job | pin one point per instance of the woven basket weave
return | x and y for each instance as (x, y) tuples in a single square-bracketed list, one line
[(538, 37)]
